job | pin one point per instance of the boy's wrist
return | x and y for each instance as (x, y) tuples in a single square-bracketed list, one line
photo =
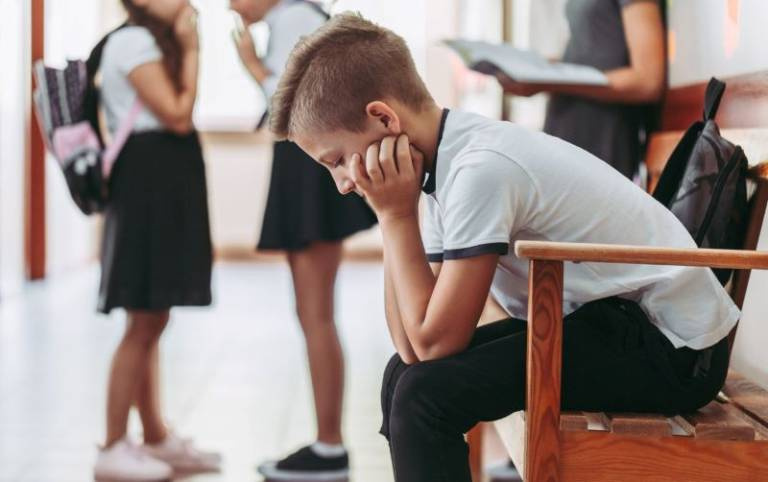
[(393, 219)]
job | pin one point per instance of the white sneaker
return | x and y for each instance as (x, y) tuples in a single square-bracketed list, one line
[(183, 456), (125, 461)]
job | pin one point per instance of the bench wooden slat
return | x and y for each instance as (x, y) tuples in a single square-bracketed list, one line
[(761, 431), (642, 424), (596, 421), (747, 396), (714, 423), (573, 421), (681, 427)]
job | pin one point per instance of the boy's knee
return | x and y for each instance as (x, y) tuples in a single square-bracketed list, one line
[(392, 373), (418, 394)]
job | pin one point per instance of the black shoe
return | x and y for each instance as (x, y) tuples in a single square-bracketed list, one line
[(306, 465)]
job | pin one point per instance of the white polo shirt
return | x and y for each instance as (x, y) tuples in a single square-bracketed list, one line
[(126, 49), (495, 183)]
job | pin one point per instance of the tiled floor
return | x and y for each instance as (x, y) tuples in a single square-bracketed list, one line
[(234, 374)]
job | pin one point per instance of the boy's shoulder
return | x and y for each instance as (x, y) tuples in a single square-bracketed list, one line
[(478, 146), (469, 135)]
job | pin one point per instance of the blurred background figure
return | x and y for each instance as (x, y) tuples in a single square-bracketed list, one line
[(308, 218), (156, 248), (625, 39)]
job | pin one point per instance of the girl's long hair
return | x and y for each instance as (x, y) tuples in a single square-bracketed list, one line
[(164, 36)]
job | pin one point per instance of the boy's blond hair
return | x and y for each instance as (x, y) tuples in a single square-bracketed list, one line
[(335, 72)]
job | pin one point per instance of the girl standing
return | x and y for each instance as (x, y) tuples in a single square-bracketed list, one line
[(156, 248), (307, 217)]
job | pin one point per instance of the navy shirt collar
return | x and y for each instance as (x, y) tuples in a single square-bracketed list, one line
[(430, 177)]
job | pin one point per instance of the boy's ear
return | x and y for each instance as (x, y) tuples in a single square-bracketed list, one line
[(384, 116)]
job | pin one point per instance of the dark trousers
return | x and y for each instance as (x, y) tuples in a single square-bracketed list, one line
[(614, 359)]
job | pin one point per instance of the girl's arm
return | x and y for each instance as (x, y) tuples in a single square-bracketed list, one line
[(246, 50), (154, 86)]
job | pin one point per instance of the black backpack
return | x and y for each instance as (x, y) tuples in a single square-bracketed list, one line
[(705, 183)]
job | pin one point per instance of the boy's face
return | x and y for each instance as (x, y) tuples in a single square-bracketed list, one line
[(334, 151)]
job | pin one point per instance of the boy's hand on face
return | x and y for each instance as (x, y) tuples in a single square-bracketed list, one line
[(390, 177)]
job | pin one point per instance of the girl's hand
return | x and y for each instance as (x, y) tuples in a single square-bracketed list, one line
[(185, 29), (246, 49), (513, 87), (390, 177)]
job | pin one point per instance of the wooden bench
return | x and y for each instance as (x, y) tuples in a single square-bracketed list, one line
[(727, 440)]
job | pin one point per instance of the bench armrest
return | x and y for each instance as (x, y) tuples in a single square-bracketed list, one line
[(615, 253), (545, 327)]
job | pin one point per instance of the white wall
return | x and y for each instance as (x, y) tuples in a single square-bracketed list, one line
[(716, 37), (72, 29), (14, 84), (750, 356)]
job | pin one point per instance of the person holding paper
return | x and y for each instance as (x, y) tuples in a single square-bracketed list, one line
[(625, 40), (309, 219)]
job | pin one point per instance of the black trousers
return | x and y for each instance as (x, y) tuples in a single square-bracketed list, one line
[(614, 359)]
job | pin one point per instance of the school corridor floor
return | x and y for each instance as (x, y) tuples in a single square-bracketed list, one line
[(234, 375)]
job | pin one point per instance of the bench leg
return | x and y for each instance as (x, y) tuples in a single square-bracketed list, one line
[(475, 441)]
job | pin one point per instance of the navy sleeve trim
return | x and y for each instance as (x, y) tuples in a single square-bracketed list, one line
[(491, 248), (435, 257)]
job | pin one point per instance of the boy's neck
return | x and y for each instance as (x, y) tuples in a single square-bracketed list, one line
[(423, 129)]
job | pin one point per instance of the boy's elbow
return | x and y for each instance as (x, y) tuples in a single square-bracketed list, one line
[(408, 358)]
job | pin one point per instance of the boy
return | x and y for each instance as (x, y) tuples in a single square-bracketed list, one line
[(636, 338)]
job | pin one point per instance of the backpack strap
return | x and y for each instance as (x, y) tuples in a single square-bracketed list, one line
[(121, 136), (91, 100), (715, 90)]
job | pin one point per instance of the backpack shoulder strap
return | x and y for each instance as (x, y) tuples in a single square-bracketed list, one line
[(674, 169), (91, 100), (715, 90), (94, 58)]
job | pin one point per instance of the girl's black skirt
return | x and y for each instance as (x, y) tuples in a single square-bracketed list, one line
[(304, 205), (156, 249)]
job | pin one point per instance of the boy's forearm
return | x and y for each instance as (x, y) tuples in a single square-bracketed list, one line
[(411, 277), (394, 320)]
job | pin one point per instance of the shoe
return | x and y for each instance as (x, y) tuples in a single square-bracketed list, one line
[(306, 465), (183, 456), (125, 461)]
